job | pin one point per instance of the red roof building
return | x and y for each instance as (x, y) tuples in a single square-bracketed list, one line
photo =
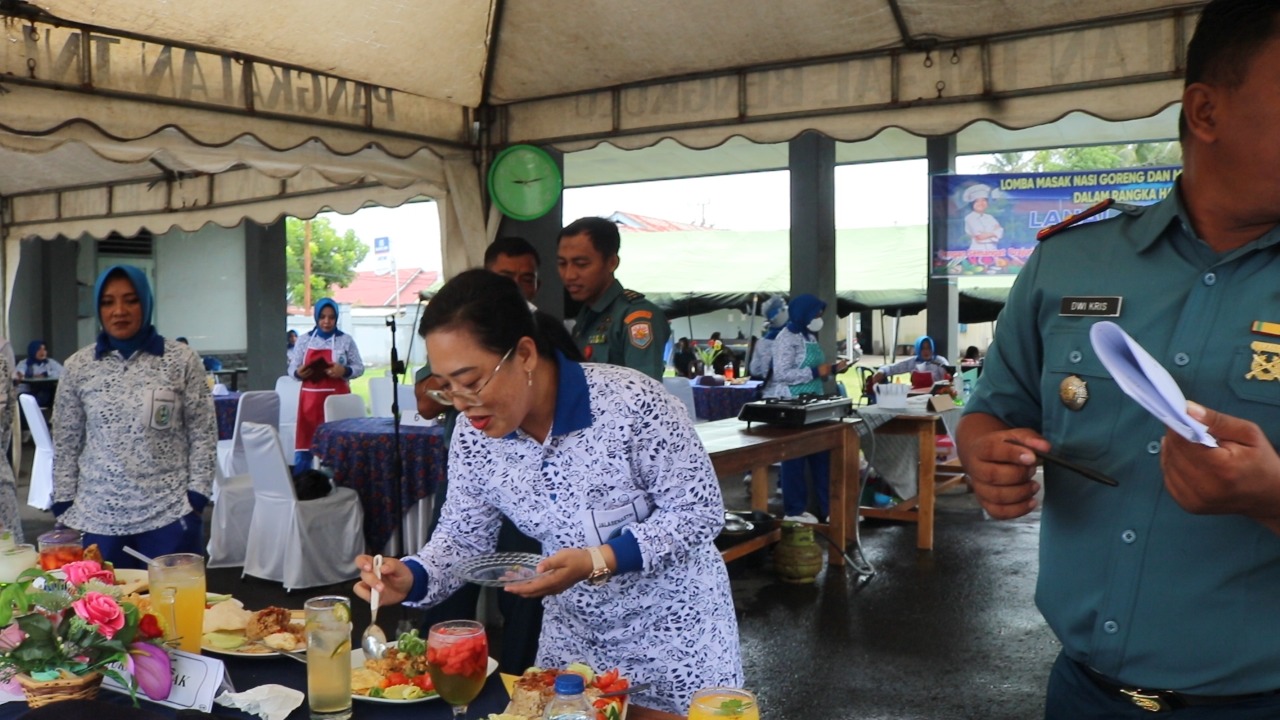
[(372, 290), (641, 223)]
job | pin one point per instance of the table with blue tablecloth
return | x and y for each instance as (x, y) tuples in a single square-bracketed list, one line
[(719, 402), (225, 407), (360, 452)]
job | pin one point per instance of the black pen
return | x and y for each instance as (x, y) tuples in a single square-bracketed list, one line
[(1093, 475)]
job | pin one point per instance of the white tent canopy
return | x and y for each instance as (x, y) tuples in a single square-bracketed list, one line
[(133, 113)]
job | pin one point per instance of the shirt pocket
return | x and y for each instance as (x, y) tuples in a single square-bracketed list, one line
[(1089, 432), (1254, 377), (160, 409), (600, 526)]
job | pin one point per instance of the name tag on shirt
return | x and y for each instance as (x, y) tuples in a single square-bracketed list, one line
[(601, 526), (162, 409), (1091, 306)]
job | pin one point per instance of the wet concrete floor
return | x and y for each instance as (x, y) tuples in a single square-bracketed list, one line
[(947, 634)]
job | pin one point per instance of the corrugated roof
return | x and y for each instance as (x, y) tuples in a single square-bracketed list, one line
[(370, 289)]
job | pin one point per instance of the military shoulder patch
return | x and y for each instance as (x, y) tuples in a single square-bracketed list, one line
[(640, 334), (638, 315)]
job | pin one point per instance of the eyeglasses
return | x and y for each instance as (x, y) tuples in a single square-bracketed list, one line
[(469, 396)]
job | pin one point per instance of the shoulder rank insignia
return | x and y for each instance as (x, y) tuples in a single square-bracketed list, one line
[(1108, 204), (632, 295)]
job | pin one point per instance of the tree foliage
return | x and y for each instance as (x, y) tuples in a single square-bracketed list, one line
[(1092, 157), (334, 258)]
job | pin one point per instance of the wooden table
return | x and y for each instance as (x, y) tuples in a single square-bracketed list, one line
[(735, 448), (919, 509)]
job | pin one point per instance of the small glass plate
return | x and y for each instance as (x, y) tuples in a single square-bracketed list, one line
[(499, 569)]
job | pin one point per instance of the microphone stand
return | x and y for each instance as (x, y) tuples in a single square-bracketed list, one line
[(397, 369)]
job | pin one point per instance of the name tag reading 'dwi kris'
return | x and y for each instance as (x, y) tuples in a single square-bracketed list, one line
[(1091, 306)]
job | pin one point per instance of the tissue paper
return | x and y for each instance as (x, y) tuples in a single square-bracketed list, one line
[(272, 702)]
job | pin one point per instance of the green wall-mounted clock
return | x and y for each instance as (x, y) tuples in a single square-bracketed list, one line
[(524, 182)]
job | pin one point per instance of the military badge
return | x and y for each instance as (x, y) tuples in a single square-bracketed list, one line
[(1074, 392), (1266, 362), (641, 334)]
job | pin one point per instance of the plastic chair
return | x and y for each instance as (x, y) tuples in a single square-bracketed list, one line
[(298, 544), (380, 396), (683, 391), (864, 381), (40, 494), (260, 406), (343, 407), (288, 389)]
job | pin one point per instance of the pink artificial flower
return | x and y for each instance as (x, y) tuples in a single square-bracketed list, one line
[(101, 610), (82, 571), (11, 637), (150, 666)]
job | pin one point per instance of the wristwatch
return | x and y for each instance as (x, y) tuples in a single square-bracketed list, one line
[(600, 572)]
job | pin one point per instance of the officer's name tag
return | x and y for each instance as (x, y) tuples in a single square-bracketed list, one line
[(1091, 306), (601, 526), (162, 409)]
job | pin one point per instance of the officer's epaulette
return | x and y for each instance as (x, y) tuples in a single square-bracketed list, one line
[(632, 295), (1108, 204)]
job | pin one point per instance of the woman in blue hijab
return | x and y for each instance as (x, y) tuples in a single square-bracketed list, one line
[(800, 368), (925, 362), (38, 366), (134, 432), (324, 359)]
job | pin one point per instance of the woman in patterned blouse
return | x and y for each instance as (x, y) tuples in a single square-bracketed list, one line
[(134, 432), (602, 466)]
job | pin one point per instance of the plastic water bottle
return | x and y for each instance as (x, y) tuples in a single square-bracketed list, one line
[(968, 389), (569, 702)]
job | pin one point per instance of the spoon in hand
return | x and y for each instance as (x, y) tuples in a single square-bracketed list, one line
[(374, 641)]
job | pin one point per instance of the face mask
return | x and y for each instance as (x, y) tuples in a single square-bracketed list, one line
[(815, 325)]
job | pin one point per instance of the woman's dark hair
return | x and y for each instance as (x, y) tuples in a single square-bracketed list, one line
[(491, 308)]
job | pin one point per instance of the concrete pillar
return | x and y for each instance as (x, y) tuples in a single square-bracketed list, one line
[(943, 298), (266, 310), (543, 234), (812, 162)]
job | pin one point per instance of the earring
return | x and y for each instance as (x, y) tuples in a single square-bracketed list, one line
[(530, 378)]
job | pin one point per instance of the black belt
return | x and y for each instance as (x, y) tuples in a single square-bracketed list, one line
[(1165, 700)]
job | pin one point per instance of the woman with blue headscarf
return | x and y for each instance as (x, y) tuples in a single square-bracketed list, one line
[(134, 431), (924, 361), (37, 366), (324, 360), (799, 368)]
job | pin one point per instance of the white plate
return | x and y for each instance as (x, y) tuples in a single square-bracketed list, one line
[(268, 653), (357, 661), (131, 581)]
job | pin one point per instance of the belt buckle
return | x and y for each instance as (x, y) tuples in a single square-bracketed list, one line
[(1153, 701)]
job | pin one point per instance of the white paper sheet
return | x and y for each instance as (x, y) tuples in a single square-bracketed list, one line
[(1146, 381)]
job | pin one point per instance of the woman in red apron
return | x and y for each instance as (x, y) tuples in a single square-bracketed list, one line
[(324, 360)]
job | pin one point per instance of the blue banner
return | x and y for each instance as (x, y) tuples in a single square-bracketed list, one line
[(992, 220)]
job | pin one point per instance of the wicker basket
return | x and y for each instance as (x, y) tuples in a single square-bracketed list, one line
[(68, 687)]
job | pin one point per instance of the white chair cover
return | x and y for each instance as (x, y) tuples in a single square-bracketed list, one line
[(259, 406), (231, 520), (288, 389), (343, 407), (380, 396), (40, 495), (683, 391), (299, 544)]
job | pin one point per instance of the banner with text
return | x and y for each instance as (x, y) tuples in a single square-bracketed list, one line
[(992, 220)]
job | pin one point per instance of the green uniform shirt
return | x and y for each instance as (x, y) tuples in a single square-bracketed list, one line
[(622, 328), (1134, 586)]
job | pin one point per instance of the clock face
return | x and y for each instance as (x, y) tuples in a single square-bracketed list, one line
[(524, 182)]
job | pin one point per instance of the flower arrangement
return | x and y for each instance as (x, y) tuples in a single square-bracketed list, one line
[(57, 629), (709, 354)]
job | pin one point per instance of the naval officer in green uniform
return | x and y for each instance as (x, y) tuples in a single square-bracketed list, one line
[(615, 325)]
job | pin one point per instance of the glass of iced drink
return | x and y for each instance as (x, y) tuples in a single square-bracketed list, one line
[(458, 661), (719, 703), (329, 657), (177, 597)]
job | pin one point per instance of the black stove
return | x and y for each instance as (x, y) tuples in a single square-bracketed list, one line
[(798, 411)]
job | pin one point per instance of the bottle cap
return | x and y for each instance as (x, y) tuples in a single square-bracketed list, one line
[(569, 684)]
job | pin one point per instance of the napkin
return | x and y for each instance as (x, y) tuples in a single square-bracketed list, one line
[(1145, 380), (220, 389), (272, 702)]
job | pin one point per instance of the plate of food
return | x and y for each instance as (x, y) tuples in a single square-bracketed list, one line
[(499, 569), (533, 690), (400, 676), (230, 629)]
